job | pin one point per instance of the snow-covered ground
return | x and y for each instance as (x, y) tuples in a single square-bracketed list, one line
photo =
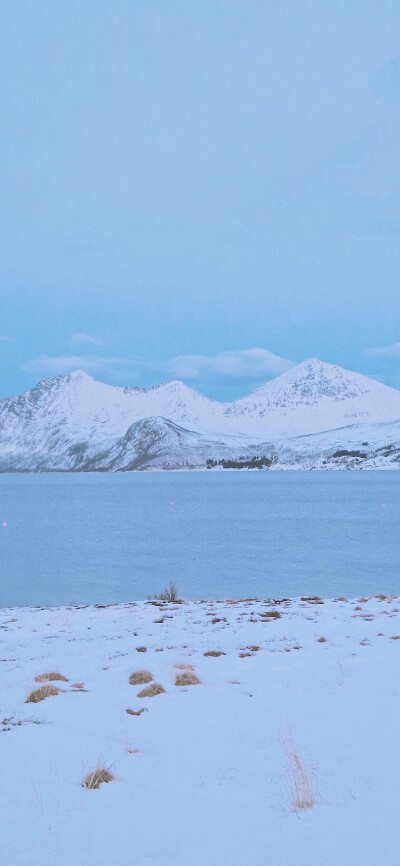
[(207, 775)]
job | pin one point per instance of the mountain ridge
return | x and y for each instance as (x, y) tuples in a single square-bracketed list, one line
[(75, 423)]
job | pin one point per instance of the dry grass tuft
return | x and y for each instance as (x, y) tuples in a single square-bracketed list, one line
[(187, 679), (245, 655), (271, 614), (47, 678), (140, 678), (42, 693), (151, 691), (141, 649), (214, 653), (322, 639), (301, 781), (341, 598), (136, 712), (184, 667), (96, 778)]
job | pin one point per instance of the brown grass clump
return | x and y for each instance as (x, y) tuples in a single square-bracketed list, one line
[(301, 782), (187, 679), (244, 655), (42, 693), (184, 667), (341, 598), (214, 653), (47, 678), (381, 597), (271, 614), (140, 678), (96, 778), (151, 691), (322, 640), (136, 712), (141, 649), (218, 619)]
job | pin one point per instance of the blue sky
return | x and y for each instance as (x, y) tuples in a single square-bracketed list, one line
[(207, 190)]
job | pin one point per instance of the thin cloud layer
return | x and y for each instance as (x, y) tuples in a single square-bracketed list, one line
[(85, 339), (244, 364), (392, 351), (247, 364)]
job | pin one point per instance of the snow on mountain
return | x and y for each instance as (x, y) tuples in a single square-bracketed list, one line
[(314, 397), (303, 418)]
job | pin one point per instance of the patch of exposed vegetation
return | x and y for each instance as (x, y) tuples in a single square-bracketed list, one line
[(140, 678), (344, 453), (241, 463), (40, 694), (151, 691), (50, 677), (214, 653), (97, 777), (136, 712), (169, 595), (187, 679)]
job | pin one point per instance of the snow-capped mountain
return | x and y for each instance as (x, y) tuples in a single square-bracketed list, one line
[(303, 418)]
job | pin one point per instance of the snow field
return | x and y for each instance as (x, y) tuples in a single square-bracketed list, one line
[(207, 773)]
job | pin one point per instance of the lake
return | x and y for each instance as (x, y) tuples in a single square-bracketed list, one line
[(87, 538)]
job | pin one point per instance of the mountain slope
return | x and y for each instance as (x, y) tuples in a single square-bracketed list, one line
[(314, 397), (300, 419)]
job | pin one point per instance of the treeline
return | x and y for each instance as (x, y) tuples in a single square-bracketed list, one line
[(241, 463)]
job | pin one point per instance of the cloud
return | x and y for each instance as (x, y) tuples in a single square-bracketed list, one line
[(63, 364), (392, 351), (255, 365), (245, 363), (84, 339)]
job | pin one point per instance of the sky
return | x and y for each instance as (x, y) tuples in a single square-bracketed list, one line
[(198, 189)]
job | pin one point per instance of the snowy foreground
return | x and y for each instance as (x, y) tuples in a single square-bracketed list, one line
[(214, 773)]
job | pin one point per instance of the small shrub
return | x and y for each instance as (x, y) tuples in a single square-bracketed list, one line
[(169, 594), (187, 679), (42, 693), (140, 678), (97, 777), (47, 678), (151, 691)]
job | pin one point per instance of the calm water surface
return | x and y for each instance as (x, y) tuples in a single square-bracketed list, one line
[(101, 538)]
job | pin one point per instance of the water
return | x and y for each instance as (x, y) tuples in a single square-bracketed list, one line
[(101, 538)]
